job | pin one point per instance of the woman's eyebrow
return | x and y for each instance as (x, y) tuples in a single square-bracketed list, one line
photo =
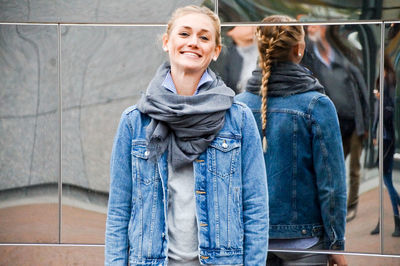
[(190, 28)]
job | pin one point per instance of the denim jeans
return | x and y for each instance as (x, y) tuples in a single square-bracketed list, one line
[(353, 145), (388, 150)]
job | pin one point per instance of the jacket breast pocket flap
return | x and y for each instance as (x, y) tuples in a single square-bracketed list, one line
[(139, 150), (142, 168), (225, 144), (223, 155)]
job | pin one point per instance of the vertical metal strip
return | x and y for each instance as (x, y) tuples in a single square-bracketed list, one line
[(380, 134), (60, 134), (216, 7)]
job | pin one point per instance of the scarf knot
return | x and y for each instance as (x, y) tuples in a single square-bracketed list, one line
[(183, 125)]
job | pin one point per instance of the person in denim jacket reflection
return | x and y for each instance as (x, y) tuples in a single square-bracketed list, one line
[(302, 149), (188, 180)]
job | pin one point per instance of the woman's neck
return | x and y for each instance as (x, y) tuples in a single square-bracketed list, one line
[(185, 83)]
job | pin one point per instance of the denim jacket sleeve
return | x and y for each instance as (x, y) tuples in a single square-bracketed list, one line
[(330, 170), (255, 194), (119, 202)]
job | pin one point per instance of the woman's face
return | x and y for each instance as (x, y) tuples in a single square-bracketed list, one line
[(191, 43)]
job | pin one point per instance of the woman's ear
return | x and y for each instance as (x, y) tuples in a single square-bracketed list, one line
[(165, 42), (217, 52), (297, 52)]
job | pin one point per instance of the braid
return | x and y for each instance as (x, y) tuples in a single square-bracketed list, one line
[(265, 64), (274, 43)]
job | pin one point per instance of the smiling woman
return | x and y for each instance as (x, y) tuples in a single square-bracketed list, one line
[(188, 183)]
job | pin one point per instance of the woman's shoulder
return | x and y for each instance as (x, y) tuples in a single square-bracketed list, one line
[(239, 106), (313, 100), (252, 100), (132, 115)]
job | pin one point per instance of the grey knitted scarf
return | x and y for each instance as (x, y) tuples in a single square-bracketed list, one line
[(185, 125)]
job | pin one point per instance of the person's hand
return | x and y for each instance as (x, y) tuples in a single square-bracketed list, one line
[(337, 259)]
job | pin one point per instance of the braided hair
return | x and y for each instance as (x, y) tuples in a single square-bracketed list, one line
[(274, 45)]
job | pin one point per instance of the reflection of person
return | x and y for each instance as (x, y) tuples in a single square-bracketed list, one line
[(188, 182), (304, 155), (345, 86), (236, 64), (388, 139)]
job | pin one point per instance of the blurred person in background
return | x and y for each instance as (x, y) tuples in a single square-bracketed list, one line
[(239, 59), (188, 182), (345, 86), (302, 149), (388, 138)]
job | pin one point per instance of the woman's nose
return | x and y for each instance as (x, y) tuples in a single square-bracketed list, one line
[(193, 41)]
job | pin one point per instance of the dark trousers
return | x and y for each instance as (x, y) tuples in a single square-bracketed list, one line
[(294, 259), (353, 145)]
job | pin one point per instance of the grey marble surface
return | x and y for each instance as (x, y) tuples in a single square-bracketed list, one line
[(29, 124), (104, 70), (122, 11)]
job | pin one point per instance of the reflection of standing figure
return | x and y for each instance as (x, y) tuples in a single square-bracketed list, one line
[(304, 156), (388, 139), (346, 87), (240, 59)]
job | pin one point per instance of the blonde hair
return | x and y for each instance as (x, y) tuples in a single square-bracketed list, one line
[(274, 45), (182, 11)]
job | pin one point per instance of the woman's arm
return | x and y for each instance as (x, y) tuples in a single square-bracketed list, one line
[(330, 169), (119, 202), (255, 194)]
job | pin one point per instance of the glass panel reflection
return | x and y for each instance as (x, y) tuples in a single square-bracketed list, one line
[(238, 57), (104, 71), (246, 10), (371, 260), (103, 11), (29, 129), (390, 138), (344, 59)]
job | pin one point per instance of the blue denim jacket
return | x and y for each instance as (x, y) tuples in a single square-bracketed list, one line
[(305, 167), (230, 192)]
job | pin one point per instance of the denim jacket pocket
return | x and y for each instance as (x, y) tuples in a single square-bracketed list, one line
[(223, 155), (142, 168)]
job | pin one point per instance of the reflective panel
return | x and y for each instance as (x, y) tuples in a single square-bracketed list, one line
[(51, 255), (238, 57), (345, 59), (371, 260), (125, 11), (255, 10), (104, 71), (391, 139), (29, 130)]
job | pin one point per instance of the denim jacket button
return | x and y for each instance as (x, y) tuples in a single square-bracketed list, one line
[(146, 153), (224, 145), (304, 231)]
